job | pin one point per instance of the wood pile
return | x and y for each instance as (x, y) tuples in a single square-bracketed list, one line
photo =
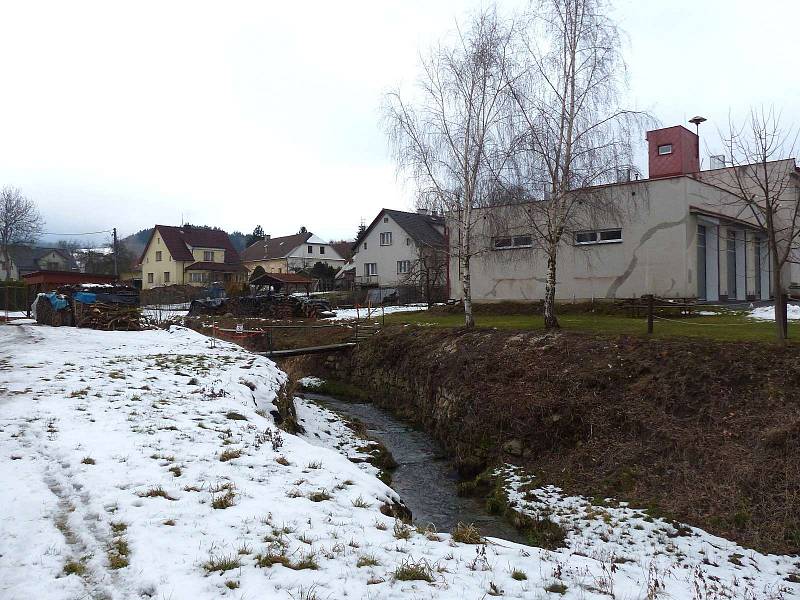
[(273, 306), (47, 315), (107, 317)]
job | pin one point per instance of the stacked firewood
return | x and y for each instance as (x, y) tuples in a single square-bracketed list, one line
[(273, 306), (47, 315), (108, 317)]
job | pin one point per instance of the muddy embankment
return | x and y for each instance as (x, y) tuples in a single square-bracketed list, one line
[(703, 432)]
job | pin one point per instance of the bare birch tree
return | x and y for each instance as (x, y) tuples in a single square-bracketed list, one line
[(20, 222), (569, 132), (765, 182), (447, 138)]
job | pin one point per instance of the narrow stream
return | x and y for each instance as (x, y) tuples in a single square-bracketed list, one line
[(424, 478)]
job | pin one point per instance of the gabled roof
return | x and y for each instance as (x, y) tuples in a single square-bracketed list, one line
[(26, 257), (421, 228), (277, 247), (179, 240)]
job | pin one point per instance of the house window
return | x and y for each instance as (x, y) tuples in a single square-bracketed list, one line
[(311, 249), (664, 149), (370, 269), (150, 278), (166, 276), (386, 238), (408, 241), (198, 277), (158, 255), (208, 255), (602, 236), (403, 267), (385, 219), (322, 249), (52, 266), (513, 241), (365, 245)]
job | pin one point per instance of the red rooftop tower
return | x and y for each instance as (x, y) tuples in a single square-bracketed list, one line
[(672, 151)]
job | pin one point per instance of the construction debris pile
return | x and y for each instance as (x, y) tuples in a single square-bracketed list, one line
[(270, 306), (107, 307)]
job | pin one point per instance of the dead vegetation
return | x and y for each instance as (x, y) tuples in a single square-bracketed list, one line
[(701, 431)]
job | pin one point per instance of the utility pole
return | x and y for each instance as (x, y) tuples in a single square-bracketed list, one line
[(116, 266)]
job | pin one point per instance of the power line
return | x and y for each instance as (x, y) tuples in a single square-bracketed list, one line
[(87, 233)]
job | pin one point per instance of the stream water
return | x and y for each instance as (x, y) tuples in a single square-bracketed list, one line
[(424, 478)]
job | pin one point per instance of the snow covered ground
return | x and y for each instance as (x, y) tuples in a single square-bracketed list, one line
[(374, 312), (147, 465), (767, 313)]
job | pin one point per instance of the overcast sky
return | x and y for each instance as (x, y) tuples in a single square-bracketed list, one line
[(235, 114)]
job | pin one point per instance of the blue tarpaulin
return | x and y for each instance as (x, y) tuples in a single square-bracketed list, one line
[(58, 303), (85, 297)]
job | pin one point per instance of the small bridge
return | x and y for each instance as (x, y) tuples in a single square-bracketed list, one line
[(361, 332)]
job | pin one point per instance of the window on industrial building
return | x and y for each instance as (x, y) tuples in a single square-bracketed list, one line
[(602, 236), (403, 267), (370, 269), (513, 241), (664, 149), (158, 255), (386, 238)]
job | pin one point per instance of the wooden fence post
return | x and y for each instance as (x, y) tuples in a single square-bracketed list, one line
[(649, 313), (785, 313)]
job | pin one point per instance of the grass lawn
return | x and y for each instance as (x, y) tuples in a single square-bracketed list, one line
[(730, 326)]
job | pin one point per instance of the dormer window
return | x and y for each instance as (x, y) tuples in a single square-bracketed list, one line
[(664, 149), (208, 255)]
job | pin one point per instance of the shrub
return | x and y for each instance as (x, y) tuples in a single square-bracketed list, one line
[(230, 454), (221, 563), (467, 534), (226, 500), (367, 560), (409, 570)]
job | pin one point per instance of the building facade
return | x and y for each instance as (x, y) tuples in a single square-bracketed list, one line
[(397, 248), (291, 254), (190, 256), (28, 259), (681, 233)]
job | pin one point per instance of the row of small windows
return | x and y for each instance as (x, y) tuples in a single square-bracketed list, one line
[(600, 236), (208, 255), (386, 240), (321, 249), (403, 268)]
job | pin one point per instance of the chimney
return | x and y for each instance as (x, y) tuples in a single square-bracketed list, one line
[(672, 151)]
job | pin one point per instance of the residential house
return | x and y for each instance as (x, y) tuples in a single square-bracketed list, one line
[(681, 233), (27, 259), (190, 255), (290, 254), (400, 249)]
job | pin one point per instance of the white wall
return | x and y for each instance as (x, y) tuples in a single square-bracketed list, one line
[(403, 247), (658, 254)]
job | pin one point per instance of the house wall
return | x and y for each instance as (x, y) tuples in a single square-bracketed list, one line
[(165, 265), (403, 247), (658, 253), (8, 271), (199, 254), (311, 252), (274, 265)]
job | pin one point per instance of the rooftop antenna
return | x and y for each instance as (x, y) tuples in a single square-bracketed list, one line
[(697, 120)]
